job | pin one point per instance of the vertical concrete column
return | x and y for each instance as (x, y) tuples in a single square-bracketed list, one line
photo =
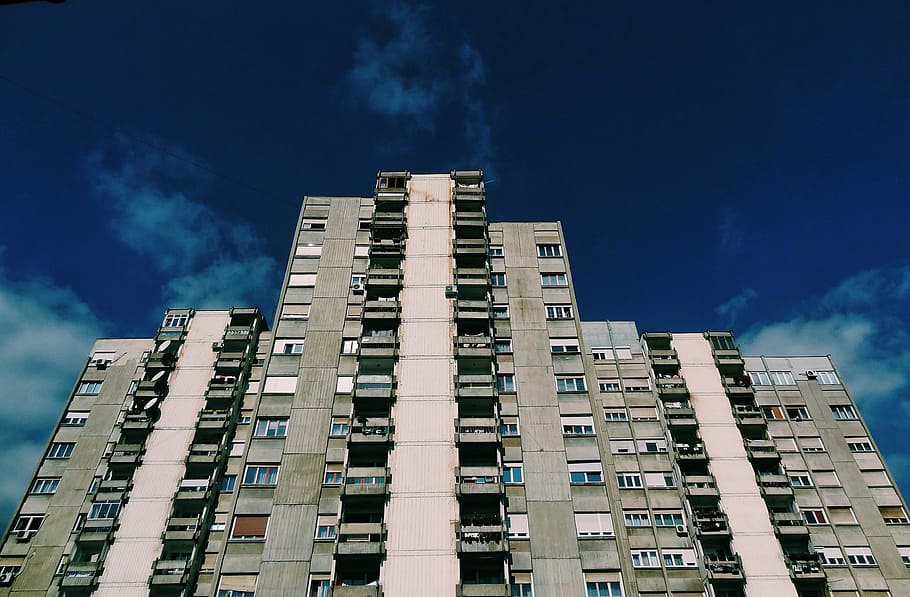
[(137, 543), (754, 539), (423, 509)]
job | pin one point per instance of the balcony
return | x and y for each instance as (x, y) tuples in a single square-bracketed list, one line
[(473, 283), (114, 486), (230, 362), (700, 490), (693, 452), (366, 481), (99, 530), (738, 390), (658, 340), (673, 388), (664, 360), (181, 531), (361, 539), (161, 361), (762, 451), (204, 456), (789, 524), (391, 221), (724, 567), (193, 492), (750, 419), (474, 347), (391, 199), (806, 568), (81, 575), (375, 430), (482, 590), (374, 387), (170, 573), (378, 347), (137, 425), (222, 387), (712, 525), (475, 386), (478, 480), (356, 591), (471, 252), (680, 416), (151, 389), (384, 311), (476, 430), (471, 224), (775, 488), (239, 333), (387, 248), (380, 278), (469, 198), (729, 362), (472, 310), (482, 539), (126, 456)]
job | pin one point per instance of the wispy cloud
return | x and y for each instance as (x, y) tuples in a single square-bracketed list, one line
[(731, 309), (47, 334), (206, 260), (731, 230), (413, 74), (862, 323)]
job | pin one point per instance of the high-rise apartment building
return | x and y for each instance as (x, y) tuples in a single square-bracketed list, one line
[(429, 417)]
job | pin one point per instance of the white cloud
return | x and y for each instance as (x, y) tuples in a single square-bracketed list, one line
[(731, 309), (861, 322), (209, 261), (730, 230), (413, 74), (47, 334)]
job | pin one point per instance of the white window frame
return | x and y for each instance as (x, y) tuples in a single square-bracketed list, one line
[(261, 475), (549, 250), (554, 279), (593, 524), (570, 384), (577, 425), (844, 412), (782, 378), (629, 480), (645, 558), (89, 388), (557, 312), (827, 378)]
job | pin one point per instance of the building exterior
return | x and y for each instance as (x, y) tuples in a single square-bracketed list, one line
[(429, 416)]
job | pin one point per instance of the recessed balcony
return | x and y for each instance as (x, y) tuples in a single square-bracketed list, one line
[(806, 568), (738, 390), (181, 531), (711, 525), (473, 283), (658, 340), (380, 278), (378, 347), (230, 363), (469, 199), (477, 430), (664, 361), (466, 310), (690, 452), (239, 333), (204, 457), (100, 530), (81, 575), (366, 481), (471, 252), (673, 389), (470, 224), (482, 590), (775, 488), (169, 573), (680, 416), (474, 347), (724, 567), (381, 311), (478, 481), (700, 490), (388, 221), (482, 539), (475, 387), (360, 539), (762, 451), (372, 430), (161, 361), (750, 419), (126, 456), (193, 492), (387, 248), (356, 591), (137, 425), (789, 524), (729, 362)]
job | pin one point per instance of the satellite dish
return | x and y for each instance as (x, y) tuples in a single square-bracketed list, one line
[(163, 346), (158, 376)]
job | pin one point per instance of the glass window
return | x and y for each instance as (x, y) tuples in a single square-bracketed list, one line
[(811, 444), (782, 378), (679, 558), (759, 378), (325, 528), (75, 418), (860, 444), (798, 413), (831, 556), (827, 378), (645, 558), (340, 427), (500, 311), (512, 473), (271, 427), (249, 527), (577, 425), (629, 480), (668, 519), (89, 387), (585, 472), (553, 280), (815, 516), (564, 346), (549, 250), (175, 320), (637, 518), (597, 524), (61, 450), (46, 485), (570, 384), (503, 346), (497, 279), (518, 526), (615, 414), (104, 509), (860, 556), (844, 412), (505, 383), (559, 311), (261, 474), (227, 483), (495, 251)]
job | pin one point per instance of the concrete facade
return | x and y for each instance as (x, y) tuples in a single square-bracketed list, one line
[(430, 416)]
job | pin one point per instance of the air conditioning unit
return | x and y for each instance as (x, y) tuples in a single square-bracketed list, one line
[(451, 291), (6, 579), (217, 346), (811, 374), (681, 530), (357, 288)]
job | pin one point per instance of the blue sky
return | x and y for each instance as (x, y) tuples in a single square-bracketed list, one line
[(714, 166)]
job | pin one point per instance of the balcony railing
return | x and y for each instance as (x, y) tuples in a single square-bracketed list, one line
[(479, 480), (724, 567), (477, 430)]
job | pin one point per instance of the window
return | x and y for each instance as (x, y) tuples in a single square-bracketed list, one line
[(302, 280), (349, 346), (844, 412), (495, 251), (612, 353), (645, 558), (320, 587), (288, 346), (594, 525), (827, 378), (89, 387), (826, 478), (340, 427), (668, 519), (250, 528), (759, 378), (564, 346), (75, 417), (782, 378), (603, 585), (811, 444), (773, 413), (660, 480), (723, 342), (104, 510), (893, 515), (325, 528), (508, 427), (831, 556), (643, 413), (500, 311), (295, 312), (518, 526), (841, 515), (609, 385), (261, 474), (637, 518), (798, 413), (520, 585), (344, 384), (860, 556), (133, 386), (800, 480), (549, 251), (275, 384), (227, 483), (629, 480), (559, 311), (815, 516), (235, 593), (904, 550), (271, 427), (28, 522), (553, 280), (615, 414), (637, 384), (45, 485), (503, 346), (313, 224), (570, 384), (308, 250), (622, 446), (859, 444), (585, 472), (679, 558), (61, 450), (358, 280), (497, 279), (505, 383), (512, 473), (651, 445), (175, 320), (577, 425)]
